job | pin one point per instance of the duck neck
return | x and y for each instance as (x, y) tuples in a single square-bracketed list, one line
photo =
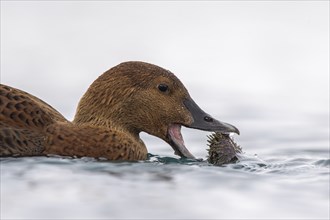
[(107, 123), (107, 104)]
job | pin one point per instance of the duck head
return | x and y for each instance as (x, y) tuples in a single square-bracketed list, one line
[(138, 96)]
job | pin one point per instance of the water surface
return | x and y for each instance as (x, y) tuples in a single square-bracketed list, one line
[(166, 187)]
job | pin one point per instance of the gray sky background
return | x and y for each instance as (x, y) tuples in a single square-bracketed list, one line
[(240, 60)]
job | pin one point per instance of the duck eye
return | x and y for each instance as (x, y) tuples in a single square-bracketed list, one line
[(163, 87)]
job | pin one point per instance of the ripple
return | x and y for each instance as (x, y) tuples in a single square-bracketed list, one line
[(322, 163), (171, 160), (246, 163)]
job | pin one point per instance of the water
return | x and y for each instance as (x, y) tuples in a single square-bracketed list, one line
[(262, 66), (166, 187)]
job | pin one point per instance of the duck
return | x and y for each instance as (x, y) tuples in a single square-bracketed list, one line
[(129, 98)]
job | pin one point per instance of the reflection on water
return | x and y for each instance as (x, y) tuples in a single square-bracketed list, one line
[(163, 186)]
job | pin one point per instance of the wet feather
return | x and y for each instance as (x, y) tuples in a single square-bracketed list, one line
[(222, 149)]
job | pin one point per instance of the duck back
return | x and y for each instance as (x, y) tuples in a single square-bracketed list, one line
[(23, 120)]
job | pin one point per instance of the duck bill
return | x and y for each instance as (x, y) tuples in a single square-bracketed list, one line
[(204, 121)]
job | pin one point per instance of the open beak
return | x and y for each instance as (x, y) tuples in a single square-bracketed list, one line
[(202, 121)]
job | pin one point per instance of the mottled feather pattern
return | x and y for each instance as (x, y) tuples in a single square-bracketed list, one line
[(20, 142), (18, 108), (23, 118), (30, 127)]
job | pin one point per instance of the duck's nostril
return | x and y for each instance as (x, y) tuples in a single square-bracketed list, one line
[(208, 119)]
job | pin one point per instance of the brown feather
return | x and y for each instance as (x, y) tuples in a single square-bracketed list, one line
[(118, 105)]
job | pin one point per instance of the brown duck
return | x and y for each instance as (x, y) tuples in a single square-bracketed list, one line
[(125, 100)]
